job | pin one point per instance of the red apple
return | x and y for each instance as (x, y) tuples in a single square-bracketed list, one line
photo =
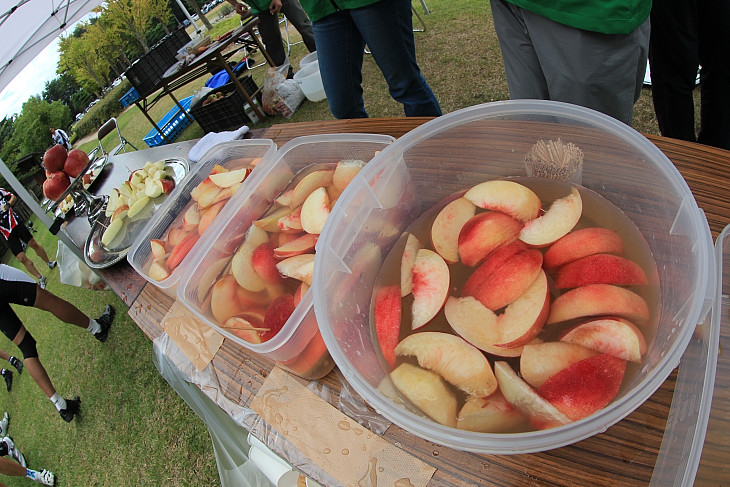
[(54, 158), (56, 184), (76, 161)]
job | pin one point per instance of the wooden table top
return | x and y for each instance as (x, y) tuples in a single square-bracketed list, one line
[(623, 455)]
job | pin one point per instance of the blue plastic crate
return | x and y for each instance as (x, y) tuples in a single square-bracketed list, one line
[(171, 124), (129, 97)]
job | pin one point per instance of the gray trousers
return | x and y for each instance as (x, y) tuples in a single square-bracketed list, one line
[(547, 60), (271, 32)]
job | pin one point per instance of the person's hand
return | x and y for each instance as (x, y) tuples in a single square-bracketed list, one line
[(3, 207), (274, 7), (243, 10)]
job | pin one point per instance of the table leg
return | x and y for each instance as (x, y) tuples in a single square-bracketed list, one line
[(187, 114), (255, 106), (154, 124)]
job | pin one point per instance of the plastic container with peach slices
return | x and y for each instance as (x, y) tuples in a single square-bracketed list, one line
[(161, 253), (434, 164), (252, 270)]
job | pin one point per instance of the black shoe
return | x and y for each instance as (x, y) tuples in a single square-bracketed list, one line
[(8, 375), (105, 321), (16, 363), (73, 407)]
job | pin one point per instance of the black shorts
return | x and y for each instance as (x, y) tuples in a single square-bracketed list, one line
[(19, 238), (16, 292)]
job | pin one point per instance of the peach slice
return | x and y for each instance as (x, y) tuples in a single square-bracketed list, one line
[(614, 336), (157, 247), (205, 193), (303, 244), (524, 318), (597, 300), (292, 222), (175, 236), (507, 282), (345, 171), (431, 280), (509, 197), (298, 267), (230, 178), (484, 233), (158, 271), (270, 221), (224, 301), (241, 263), (277, 314), (427, 391), (226, 193), (458, 362), (477, 325), (522, 397), (191, 218), (584, 387), (600, 269), (284, 199), (309, 183), (264, 263), (207, 217), (447, 226), (245, 327), (315, 211), (582, 243), (540, 361), (387, 318), (491, 414), (181, 251), (413, 245), (300, 292), (559, 219)]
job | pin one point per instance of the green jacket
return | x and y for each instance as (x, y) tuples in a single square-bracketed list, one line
[(318, 9), (258, 6), (604, 16)]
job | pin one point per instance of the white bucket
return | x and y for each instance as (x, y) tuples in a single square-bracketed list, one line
[(309, 58), (311, 82)]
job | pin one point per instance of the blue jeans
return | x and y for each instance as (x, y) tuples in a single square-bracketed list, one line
[(387, 29)]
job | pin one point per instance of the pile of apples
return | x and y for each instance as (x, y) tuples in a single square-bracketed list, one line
[(129, 202), (207, 200), (530, 276), (271, 270), (61, 166)]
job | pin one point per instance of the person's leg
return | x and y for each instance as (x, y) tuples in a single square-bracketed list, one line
[(4, 355), (603, 72), (340, 51), (525, 78), (297, 17), (33, 244), (28, 264), (8, 467), (271, 35), (674, 59), (387, 27), (714, 38)]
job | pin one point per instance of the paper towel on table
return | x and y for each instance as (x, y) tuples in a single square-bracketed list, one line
[(212, 139), (198, 341)]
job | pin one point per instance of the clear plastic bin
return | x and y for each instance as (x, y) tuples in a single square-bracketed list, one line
[(467, 147), (298, 346), (228, 155)]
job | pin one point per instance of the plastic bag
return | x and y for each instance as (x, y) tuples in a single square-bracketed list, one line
[(281, 96), (75, 272)]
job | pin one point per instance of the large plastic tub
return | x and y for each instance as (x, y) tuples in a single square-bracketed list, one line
[(467, 147), (172, 124), (230, 155), (298, 345)]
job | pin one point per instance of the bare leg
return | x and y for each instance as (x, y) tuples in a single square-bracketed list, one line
[(61, 309), (33, 244), (4, 355), (28, 264), (35, 368), (8, 467)]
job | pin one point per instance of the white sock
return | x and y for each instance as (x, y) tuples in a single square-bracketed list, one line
[(58, 401), (94, 327), (33, 474)]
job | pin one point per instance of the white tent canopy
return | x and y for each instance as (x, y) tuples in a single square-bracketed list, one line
[(28, 26)]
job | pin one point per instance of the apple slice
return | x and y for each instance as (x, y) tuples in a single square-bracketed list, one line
[(540, 361), (582, 243), (524, 318), (600, 269), (541, 413), (315, 211), (427, 391), (491, 414), (447, 226), (584, 387), (413, 245), (303, 244), (298, 267), (241, 263), (191, 218), (509, 197), (153, 188), (112, 231), (458, 362), (611, 335), (309, 183), (484, 233), (477, 325), (175, 236), (158, 271), (559, 219), (112, 203), (598, 300), (387, 318), (205, 193), (158, 249), (120, 212), (431, 280), (230, 178), (138, 206), (345, 171)]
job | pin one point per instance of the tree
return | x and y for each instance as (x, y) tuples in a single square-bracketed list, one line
[(160, 11), (31, 132), (133, 16), (85, 59)]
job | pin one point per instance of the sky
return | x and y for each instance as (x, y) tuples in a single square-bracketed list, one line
[(31, 81)]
